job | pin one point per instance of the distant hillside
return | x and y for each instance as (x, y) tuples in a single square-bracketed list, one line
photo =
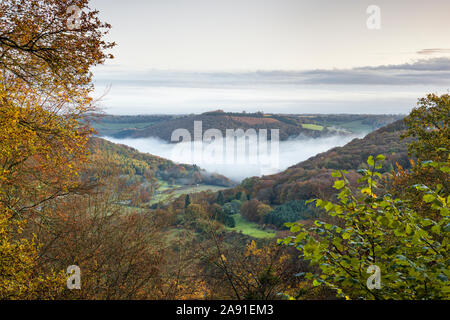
[(108, 125), (312, 178), (162, 126), (288, 126), (132, 162)]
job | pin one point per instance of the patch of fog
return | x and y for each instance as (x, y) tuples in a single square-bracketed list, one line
[(289, 153)]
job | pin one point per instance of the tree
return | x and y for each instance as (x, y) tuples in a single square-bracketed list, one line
[(410, 250), (118, 249), (45, 84), (233, 207), (220, 199), (429, 125), (38, 42), (252, 272), (21, 275), (220, 215), (254, 210), (290, 211), (187, 201), (41, 148)]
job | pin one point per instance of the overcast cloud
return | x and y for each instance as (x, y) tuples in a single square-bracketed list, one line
[(421, 72), (382, 89)]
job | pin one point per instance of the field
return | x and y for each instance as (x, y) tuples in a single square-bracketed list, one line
[(106, 129), (250, 228), (166, 192), (312, 126)]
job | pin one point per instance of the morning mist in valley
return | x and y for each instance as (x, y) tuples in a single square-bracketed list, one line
[(291, 152)]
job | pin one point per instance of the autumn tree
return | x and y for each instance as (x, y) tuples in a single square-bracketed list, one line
[(119, 250), (251, 272), (254, 210), (45, 82), (21, 274), (428, 126), (41, 43)]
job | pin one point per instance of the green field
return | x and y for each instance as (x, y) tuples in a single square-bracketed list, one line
[(111, 128), (355, 126), (166, 191), (311, 126), (164, 186), (250, 228)]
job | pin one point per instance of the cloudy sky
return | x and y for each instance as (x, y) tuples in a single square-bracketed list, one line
[(292, 56)]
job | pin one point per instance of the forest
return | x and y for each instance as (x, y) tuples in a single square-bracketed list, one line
[(126, 220)]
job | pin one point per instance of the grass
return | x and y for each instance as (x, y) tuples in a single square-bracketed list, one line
[(200, 188), (164, 186), (167, 191), (120, 126), (356, 126), (311, 126), (111, 128), (250, 228)]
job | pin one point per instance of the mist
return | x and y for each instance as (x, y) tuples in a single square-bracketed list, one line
[(278, 158)]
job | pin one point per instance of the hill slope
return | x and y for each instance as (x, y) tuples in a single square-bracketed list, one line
[(292, 125), (288, 126), (132, 162), (312, 178)]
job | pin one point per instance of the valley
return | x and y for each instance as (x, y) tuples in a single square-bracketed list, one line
[(232, 150), (294, 184)]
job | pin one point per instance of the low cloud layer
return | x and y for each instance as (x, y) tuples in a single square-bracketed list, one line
[(433, 51), (290, 152), (376, 90), (420, 72)]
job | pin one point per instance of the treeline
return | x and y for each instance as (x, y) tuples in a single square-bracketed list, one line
[(375, 121), (105, 118), (288, 127)]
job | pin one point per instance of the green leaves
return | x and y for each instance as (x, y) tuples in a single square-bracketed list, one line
[(339, 184), (377, 163), (295, 228), (408, 247), (329, 206), (429, 198), (445, 169), (336, 174)]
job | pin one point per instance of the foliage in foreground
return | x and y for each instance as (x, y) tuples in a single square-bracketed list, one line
[(411, 250), (19, 267), (405, 236)]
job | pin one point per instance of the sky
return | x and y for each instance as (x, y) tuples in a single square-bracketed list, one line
[(288, 56)]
